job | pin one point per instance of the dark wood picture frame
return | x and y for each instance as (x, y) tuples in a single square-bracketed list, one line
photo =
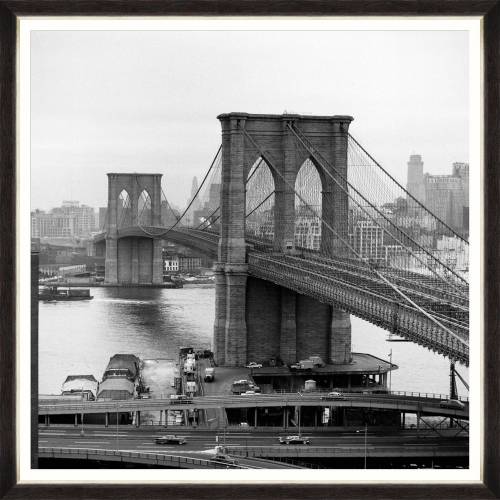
[(489, 10)]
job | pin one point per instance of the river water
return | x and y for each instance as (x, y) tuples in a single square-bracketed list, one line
[(78, 338)]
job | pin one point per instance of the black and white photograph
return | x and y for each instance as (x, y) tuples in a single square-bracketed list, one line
[(250, 249)]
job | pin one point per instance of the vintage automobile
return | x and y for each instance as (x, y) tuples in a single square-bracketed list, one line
[(170, 439), (294, 440), (254, 365), (332, 395), (453, 404)]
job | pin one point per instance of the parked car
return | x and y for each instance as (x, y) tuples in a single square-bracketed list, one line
[(453, 404), (294, 440), (254, 365), (170, 439), (333, 395)]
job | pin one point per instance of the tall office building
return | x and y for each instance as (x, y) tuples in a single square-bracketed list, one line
[(415, 179), (68, 220), (446, 196), (196, 205)]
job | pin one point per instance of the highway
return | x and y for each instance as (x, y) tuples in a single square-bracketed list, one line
[(406, 403), (201, 443)]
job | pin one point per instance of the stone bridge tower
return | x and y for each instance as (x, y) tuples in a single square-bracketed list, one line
[(132, 256), (255, 319)]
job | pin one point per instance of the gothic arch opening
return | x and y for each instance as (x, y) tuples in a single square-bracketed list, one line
[(144, 214), (123, 210), (259, 204), (308, 207)]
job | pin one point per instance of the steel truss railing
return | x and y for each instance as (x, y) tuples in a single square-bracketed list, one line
[(391, 315)]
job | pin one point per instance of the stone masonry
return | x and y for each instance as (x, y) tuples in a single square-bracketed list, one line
[(255, 320), (133, 260)]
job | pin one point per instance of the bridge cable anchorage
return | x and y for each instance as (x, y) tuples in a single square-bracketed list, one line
[(320, 161), (268, 160), (160, 234)]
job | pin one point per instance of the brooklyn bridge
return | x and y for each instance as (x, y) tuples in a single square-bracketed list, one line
[(304, 225)]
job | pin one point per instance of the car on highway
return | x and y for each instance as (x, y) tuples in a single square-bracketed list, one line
[(180, 398), (170, 439), (294, 440), (221, 455), (227, 459), (333, 395), (248, 393), (452, 404), (254, 365)]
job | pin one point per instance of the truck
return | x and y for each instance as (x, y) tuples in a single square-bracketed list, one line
[(303, 364), (317, 361), (209, 374), (190, 366), (241, 386), (191, 387)]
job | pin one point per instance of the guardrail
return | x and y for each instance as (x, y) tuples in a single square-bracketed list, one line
[(131, 456), (391, 401), (369, 393), (349, 451), (429, 395)]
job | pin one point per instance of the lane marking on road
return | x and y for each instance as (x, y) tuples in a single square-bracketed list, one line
[(110, 434), (91, 442), (40, 441), (44, 433)]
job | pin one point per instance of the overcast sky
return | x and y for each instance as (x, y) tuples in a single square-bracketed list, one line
[(133, 101)]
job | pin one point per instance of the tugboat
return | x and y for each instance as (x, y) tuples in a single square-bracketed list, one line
[(54, 293)]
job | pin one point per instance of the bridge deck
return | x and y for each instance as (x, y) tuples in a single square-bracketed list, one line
[(351, 287)]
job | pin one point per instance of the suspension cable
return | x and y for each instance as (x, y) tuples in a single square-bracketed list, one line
[(383, 278), (157, 235), (254, 171), (207, 218), (315, 154), (260, 204), (421, 205)]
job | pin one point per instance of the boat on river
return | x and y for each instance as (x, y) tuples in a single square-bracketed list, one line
[(54, 293)]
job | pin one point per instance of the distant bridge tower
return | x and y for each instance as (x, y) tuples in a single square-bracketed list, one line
[(132, 256), (255, 319)]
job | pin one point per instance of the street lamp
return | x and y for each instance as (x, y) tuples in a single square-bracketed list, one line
[(117, 447), (82, 432), (366, 439)]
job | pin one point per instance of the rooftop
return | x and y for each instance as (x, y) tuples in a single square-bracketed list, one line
[(361, 363)]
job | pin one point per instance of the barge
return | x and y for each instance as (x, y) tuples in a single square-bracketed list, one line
[(55, 294)]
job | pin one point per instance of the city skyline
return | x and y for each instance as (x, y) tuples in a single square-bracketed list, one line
[(99, 207), (118, 101)]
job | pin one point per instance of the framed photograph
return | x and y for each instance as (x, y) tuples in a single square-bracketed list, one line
[(249, 249)]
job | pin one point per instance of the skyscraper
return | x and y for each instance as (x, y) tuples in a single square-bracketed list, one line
[(446, 196), (415, 179), (190, 215)]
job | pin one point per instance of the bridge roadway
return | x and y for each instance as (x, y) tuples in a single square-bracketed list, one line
[(263, 443), (353, 288), (402, 403)]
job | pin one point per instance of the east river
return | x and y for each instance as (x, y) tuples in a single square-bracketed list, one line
[(78, 338)]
